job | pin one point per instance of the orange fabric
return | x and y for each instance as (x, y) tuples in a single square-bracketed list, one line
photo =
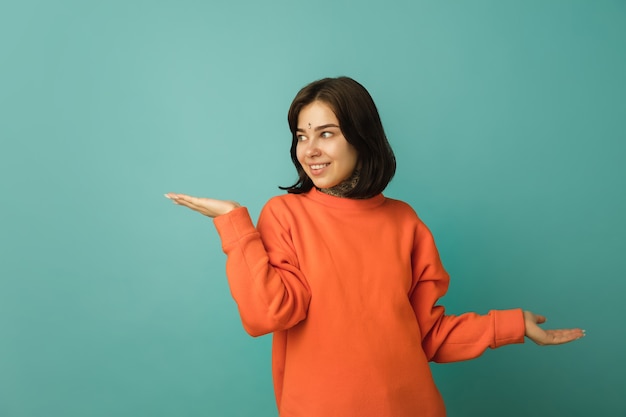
[(349, 289)]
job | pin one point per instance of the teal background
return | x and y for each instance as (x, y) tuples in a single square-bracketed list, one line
[(508, 122)]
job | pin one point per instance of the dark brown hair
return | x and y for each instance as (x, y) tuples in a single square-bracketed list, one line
[(361, 126)]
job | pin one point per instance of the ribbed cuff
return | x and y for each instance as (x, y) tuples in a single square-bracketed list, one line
[(509, 327), (233, 225)]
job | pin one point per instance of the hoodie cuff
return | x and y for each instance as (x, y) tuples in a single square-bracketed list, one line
[(509, 327), (233, 225)]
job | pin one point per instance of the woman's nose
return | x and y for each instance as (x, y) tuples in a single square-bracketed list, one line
[(312, 149)]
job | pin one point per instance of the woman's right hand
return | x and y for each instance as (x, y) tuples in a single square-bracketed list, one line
[(207, 206)]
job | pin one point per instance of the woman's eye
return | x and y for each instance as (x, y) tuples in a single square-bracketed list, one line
[(326, 134), (301, 138)]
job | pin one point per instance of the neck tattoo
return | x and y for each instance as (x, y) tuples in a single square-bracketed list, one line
[(341, 189)]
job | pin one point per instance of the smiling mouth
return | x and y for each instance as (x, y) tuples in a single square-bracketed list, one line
[(318, 166)]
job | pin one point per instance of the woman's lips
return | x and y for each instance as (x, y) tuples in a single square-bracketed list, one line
[(317, 169)]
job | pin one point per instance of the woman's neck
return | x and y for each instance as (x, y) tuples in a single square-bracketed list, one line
[(341, 189)]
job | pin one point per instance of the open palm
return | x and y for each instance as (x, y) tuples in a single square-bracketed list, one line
[(548, 337), (207, 206)]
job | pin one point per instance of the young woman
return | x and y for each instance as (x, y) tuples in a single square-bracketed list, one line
[(346, 279)]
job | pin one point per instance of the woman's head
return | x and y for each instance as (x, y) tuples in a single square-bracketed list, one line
[(359, 122)]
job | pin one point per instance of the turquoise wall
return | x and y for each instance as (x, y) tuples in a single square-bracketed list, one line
[(508, 121)]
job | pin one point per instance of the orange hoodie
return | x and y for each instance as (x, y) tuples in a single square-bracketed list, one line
[(349, 289)]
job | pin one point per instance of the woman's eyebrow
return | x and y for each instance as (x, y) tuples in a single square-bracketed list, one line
[(318, 128)]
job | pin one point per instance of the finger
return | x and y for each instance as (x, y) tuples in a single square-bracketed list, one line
[(189, 203), (194, 203), (560, 336), (183, 200), (539, 319), (180, 196), (174, 197)]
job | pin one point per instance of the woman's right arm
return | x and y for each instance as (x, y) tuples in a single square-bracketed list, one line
[(264, 277)]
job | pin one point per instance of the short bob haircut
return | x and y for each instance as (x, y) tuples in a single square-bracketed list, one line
[(360, 124)]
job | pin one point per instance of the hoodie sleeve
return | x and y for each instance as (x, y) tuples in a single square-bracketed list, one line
[(450, 338), (269, 289)]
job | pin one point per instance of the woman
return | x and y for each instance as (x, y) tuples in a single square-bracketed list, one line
[(346, 279)]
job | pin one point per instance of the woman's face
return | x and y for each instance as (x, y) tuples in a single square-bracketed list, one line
[(322, 150)]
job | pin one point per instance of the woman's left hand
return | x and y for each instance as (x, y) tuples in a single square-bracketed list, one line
[(548, 337)]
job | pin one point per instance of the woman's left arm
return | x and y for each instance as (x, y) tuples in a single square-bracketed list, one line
[(451, 338)]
